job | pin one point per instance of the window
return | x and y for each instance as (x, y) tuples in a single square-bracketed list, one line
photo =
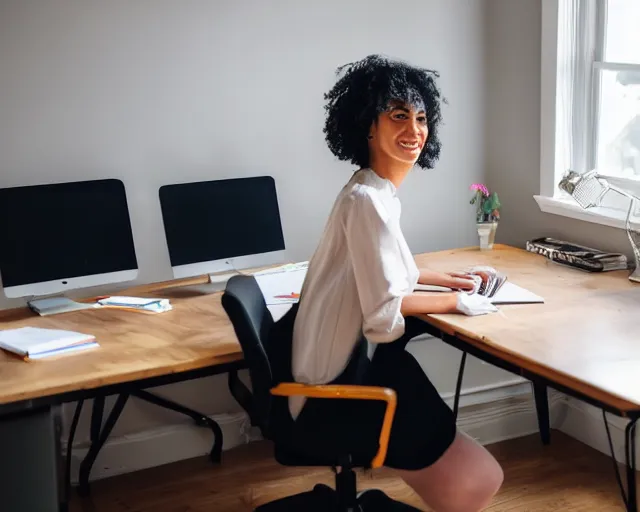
[(590, 100), (618, 106)]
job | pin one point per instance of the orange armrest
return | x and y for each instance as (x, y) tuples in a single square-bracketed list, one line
[(350, 392)]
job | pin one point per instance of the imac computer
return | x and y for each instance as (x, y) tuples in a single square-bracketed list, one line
[(64, 236), (222, 225)]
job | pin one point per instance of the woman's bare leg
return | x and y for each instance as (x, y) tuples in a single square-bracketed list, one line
[(464, 479)]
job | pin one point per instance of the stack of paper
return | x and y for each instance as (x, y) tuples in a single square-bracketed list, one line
[(37, 343), (137, 303)]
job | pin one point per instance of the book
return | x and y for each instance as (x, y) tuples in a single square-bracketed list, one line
[(36, 342), (577, 256)]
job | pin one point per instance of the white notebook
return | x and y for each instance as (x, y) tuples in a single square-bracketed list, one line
[(508, 293), (30, 341)]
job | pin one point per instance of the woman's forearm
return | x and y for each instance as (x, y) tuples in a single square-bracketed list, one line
[(418, 303)]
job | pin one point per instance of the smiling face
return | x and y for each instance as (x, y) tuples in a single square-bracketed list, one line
[(399, 135)]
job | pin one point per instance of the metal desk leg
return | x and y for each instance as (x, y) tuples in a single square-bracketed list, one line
[(96, 445), (630, 451), (30, 460), (67, 471), (542, 408), (97, 412), (242, 395), (202, 420), (456, 398), (629, 497)]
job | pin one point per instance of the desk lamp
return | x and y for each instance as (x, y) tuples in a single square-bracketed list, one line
[(588, 190)]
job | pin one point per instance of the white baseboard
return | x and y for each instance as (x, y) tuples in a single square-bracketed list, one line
[(584, 423), (162, 445), (488, 414)]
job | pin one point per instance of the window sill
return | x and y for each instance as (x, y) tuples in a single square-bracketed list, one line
[(602, 215)]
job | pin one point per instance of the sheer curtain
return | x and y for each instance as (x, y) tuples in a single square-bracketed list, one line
[(579, 24)]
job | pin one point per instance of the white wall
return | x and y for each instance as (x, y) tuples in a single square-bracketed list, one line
[(159, 91), (512, 127)]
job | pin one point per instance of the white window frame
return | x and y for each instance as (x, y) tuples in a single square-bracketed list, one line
[(551, 199)]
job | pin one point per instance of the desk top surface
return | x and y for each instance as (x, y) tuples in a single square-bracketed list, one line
[(585, 336), (133, 345)]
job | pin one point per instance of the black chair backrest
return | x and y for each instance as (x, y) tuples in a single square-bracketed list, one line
[(266, 345)]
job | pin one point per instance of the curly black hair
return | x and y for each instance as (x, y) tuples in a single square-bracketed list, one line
[(365, 91)]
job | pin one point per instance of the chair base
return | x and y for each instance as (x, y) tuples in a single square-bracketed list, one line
[(324, 499)]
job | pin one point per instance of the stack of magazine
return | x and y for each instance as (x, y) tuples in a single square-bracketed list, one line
[(490, 280), (577, 256)]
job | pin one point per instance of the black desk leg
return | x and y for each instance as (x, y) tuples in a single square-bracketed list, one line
[(630, 497), (630, 451), (542, 408), (456, 398), (202, 420), (97, 412), (96, 444), (242, 395), (64, 501)]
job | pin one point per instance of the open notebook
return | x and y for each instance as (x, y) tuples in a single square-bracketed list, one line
[(496, 287)]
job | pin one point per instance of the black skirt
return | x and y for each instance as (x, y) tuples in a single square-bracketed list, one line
[(423, 426)]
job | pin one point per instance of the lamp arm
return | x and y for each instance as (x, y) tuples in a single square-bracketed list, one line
[(623, 192), (635, 275)]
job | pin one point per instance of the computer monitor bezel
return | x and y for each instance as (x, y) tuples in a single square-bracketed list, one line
[(231, 264), (65, 284)]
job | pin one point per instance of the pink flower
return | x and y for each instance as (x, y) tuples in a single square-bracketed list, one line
[(481, 188)]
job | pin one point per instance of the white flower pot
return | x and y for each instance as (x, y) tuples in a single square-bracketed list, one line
[(487, 234)]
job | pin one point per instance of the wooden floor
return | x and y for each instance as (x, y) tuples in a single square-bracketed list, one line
[(566, 476)]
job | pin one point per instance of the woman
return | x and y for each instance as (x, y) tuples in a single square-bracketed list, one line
[(383, 116)]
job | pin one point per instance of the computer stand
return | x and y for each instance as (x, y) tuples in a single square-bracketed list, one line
[(45, 306), (99, 433)]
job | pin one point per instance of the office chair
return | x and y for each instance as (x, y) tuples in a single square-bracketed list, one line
[(266, 346)]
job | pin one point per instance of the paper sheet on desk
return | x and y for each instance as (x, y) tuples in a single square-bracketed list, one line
[(510, 293), (282, 285), (278, 310)]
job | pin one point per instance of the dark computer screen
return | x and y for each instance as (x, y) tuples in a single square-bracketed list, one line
[(64, 230), (213, 220)]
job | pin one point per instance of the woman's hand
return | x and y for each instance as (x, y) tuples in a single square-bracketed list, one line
[(454, 280), (462, 281)]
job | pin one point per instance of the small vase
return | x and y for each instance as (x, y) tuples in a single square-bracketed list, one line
[(487, 234)]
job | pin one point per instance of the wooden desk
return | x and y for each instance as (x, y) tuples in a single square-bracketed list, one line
[(137, 351), (584, 341), (196, 334)]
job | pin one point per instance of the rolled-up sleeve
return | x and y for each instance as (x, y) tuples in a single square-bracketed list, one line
[(381, 275)]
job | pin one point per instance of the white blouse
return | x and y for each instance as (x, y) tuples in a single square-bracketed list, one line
[(355, 282)]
